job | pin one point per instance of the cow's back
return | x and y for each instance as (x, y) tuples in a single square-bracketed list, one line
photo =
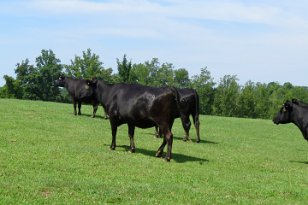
[(80, 89), (188, 101), (141, 105)]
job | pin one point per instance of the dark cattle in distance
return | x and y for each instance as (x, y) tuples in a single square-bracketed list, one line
[(80, 90), (189, 105), (294, 112), (139, 106)]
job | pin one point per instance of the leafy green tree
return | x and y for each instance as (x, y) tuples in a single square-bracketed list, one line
[(247, 101), (36, 83), (32, 85), (300, 92), (164, 75), (140, 73), (262, 99), (4, 92), (278, 95), (153, 73), (153, 67), (9, 90), (124, 68), (48, 69), (181, 78), (204, 85), (226, 96), (16, 87), (88, 66)]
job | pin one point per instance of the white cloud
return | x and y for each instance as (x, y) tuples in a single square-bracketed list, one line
[(93, 7), (232, 11), (229, 36)]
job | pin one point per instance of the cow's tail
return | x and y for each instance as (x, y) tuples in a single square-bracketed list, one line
[(196, 117), (177, 99)]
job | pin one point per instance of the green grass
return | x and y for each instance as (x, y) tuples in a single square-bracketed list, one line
[(50, 156)]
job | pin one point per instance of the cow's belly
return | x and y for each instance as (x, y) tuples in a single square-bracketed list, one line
[(145, 123)]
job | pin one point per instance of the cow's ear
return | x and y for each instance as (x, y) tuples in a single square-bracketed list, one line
[(94, 81), (295, 101)]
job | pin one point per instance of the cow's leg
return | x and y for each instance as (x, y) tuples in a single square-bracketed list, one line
[(79, 107), (95, 107), (75, 106), (186, 125), (114, 128), (131, 132), (158, 132), (169, 139), (106, 115), (160, 150), (197, 126)]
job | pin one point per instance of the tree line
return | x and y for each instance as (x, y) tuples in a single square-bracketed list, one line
[(223, 98)]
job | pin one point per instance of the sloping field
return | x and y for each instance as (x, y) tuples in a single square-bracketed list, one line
[(50, 156)]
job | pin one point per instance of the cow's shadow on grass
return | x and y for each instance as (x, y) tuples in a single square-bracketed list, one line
[(181, 139), (96, 116), (194, 140), (180, 158), (302, 162)]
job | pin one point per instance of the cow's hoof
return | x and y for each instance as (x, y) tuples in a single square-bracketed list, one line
[(185, 139), (198, 141), (132, 150), (112, 147), (158, 154), (167, 159)]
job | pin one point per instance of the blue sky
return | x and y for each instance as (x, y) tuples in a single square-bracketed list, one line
[(262, 41)]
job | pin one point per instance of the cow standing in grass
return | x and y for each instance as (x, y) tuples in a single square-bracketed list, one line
[(293, 112), (189, 105), (139, 106), (80, 90)]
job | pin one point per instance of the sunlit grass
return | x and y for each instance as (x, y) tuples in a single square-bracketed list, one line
[(50, 156)]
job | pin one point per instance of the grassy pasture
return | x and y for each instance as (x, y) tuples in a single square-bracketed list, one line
[(50, 156)]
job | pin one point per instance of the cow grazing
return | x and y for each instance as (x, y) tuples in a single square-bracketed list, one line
[(292, 112), (189, 105), (80, 91), (139, 106)]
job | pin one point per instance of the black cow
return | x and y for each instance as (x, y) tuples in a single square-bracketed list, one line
[(189, 105), (292, 112), (298, 102), (80, 90), (139, 106)]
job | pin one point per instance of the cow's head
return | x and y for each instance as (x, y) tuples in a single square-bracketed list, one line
[(93, 82), (85, 91), (295, 101), (60, 81), (90, 84), (284, 114)]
